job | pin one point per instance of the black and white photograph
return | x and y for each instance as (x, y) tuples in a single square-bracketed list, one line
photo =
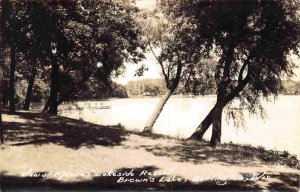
[(149, 95)]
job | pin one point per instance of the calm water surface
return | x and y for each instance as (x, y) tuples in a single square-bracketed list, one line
[(280, 130)]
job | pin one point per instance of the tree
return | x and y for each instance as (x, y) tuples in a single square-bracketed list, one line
[(76, 39), (1, 125), (42, 39), (3, 86), (8, 28), (33, 46), (178, 57), (253, 41), (198, 78), (30, 85), (164, 33), (102, 35), (3, 90), (16, 27), (118, 90)]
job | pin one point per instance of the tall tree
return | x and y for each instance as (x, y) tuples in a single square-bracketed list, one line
[(2, 90), (14, 31), (253, 41), (30, 85), (57, 47), (165, 35), (1, 125), (33, 45), (101, 42), (78, 39), (11, 90), (8, 24), (173, 37), (46, 41)]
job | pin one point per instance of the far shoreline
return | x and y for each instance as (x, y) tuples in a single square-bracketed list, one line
[(156, 97)]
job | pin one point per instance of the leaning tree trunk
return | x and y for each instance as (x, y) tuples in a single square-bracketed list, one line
[(214, 117), (46, 107), (30, 86), (204, 125), (54, 87), (149, 126), (11, 88), (1, 126), (217, 125)]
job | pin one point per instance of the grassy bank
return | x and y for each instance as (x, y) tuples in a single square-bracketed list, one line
[(43, 152)]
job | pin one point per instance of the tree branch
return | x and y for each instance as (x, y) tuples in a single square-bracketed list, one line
[(241, 82), (240, 78), (238, 89), (178, 73), (160, 63)]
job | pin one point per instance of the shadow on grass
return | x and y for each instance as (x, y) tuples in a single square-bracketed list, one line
[(44, 129), (196, 153), (285, 182), (39, 129), (226, 154)]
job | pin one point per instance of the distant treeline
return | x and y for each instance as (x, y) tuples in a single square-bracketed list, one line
[(137, 88), (100, 91), (146, 87), (291, 87), (156, 87)]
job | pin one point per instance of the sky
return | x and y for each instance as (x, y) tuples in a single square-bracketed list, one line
[(154, 70), (146, 4)]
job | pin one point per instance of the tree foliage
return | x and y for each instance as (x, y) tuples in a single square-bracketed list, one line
[(253, 40), (77, 40)]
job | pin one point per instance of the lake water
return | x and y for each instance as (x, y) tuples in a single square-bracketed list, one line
[(280, 130)]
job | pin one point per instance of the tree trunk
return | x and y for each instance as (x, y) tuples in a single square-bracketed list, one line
[(46, 107), (11, 88), (54, 87), (71, 90), (214, 118), (66, 95), (217, 125), (1, 126), (149, 126), (204, 125), (30, 86)]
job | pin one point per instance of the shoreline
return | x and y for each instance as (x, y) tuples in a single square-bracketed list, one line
[(159, 96)]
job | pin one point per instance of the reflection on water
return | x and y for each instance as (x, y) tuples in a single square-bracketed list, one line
[(280, 130)]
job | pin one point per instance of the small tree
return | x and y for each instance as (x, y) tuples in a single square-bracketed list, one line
[(253, 41)]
